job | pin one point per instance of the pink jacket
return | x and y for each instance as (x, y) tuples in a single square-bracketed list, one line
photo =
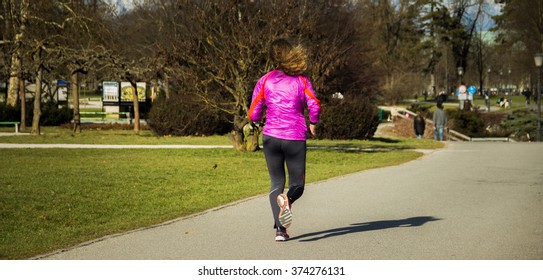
[(285, 98)]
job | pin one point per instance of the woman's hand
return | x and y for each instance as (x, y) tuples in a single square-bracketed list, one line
[(312, 129)]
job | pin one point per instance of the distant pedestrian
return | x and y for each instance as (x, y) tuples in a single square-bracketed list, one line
[(441, 97), (440, 122), (419, 125), (487, 99), (527, 94), (285, 93)]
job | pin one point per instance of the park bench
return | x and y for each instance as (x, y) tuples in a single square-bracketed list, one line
[(105, 113), (12, 123), (104, 117)]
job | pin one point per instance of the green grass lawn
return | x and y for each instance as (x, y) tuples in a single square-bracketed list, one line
[(58, 135), (54, 198), (518, 102)]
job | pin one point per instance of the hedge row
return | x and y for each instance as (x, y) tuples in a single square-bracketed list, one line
[(51, 115), (181, 115)]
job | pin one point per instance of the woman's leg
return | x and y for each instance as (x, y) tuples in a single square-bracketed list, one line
[(276, 168), (295, 157)]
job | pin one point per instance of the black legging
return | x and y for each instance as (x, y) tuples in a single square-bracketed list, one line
[(293, 153)]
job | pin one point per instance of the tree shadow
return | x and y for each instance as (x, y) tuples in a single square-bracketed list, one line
[(385, 140), (362, 227), (372, 145)]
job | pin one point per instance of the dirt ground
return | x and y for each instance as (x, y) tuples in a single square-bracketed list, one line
[(402, 128)]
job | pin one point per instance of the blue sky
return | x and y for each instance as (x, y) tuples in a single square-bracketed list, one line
[(122, 4), (491, 8)]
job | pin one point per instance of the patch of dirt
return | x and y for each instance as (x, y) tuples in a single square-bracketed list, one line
[(402, 128)]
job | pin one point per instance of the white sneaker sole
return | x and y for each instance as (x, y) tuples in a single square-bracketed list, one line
[(280, 238), (285, 215)]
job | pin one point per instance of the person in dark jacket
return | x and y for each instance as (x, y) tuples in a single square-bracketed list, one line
[(419, 125), (440, 122)]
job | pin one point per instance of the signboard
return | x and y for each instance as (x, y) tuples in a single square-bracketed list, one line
[(462, 95), (471, 90), (110, 91), (62, 90), (62, 93), (127, 92)]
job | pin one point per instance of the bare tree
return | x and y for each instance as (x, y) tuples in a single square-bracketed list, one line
[(398, 47), (464, 23), (37, 96), (148, 58), (450, 31), (219, 49), (522, 22), (481, 55), (83, 33), (214, 50), (19, 18), (65, 37)]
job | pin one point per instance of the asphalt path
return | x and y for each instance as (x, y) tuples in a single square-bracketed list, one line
[(467, 201)]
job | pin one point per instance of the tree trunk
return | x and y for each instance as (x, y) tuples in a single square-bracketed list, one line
[(13, 84), (22, 93), (166, 85), (245, 135), (37, 105), (154, 90), (74, 82), (136, 104), (15, 66)]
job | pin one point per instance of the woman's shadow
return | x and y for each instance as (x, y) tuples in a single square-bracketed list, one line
[(362, 227)]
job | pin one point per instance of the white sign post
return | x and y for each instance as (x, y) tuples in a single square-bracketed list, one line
[(110, 91), (462, 95)]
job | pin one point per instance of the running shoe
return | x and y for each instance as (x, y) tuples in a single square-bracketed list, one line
[(281, 236), (285, 215)]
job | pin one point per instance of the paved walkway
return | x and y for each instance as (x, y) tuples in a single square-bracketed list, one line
[(467, 201)]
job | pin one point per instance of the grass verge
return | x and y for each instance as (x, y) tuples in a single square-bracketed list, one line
[(97, 135)]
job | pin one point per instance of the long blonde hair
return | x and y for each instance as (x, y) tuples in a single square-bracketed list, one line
[(291, 59)]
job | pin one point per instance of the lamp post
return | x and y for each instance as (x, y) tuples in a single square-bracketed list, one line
[(461, 99), (488, 92), (538, 58), (500, 84), (510, 88)]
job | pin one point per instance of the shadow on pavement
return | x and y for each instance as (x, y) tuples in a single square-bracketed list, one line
[(362, 227)]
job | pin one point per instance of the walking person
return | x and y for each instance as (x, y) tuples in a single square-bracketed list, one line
[(285, 92), (440, 122), (419, 124)]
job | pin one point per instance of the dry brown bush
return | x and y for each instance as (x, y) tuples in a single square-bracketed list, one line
[(404, 128)]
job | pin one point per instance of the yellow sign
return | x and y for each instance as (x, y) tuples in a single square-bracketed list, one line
[(127, 92)]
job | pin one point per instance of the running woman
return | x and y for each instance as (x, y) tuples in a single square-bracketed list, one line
[(285, 93)]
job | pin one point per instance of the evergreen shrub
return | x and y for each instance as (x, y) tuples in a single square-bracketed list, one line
[(466, 122), (182, 115), (521, 125), (9, 113), (423, 108), (51, 115), (348, 118)]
